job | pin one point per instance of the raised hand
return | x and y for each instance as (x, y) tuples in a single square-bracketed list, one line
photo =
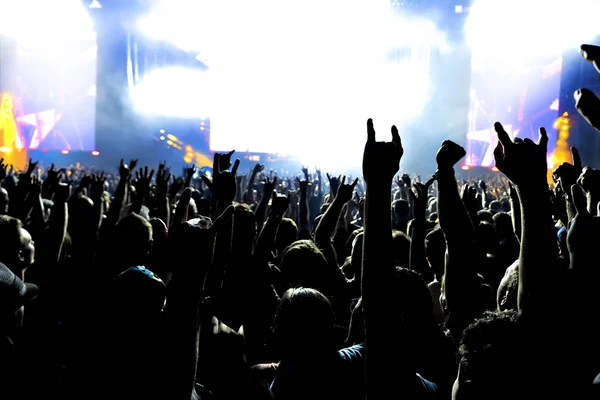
[(54, 176), (269, 186), (163, 176), (223, 184), (258, 168), (133, 163), (36, 186), (586, 101), (469, 199), (334, 183), (31, 166), (124, 170), (584, 232), (589, 180), (381, 160), (305, 172), (418, 194), (522, 161), (188, 172), (449, 154), (98, 182), (399, 182), (143, 179), (345, 192), (279, 204), (566, 175), (482, 185), (3, 169), (225, 161), (406, 179)]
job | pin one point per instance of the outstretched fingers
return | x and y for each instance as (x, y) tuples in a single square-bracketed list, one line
[(543, 142), (396, 136), (370, 131), (503, 137), (236, 164), (576, 158)]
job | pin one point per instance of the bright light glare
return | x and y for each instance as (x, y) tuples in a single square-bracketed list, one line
[(280, 71), (174, 91), (519, 33), (43, 20)]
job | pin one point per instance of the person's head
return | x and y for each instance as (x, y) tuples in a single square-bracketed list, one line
[(287, 232), (413, 296), (17, 249), (400, 213), (507, 294), (504, 226), (303, 265), (80, 207), (401, 245), (14, 294), (495, 207), (485, 216), (244, 227), (492, 359), (486, 239), (304, 323), (435, 248), (132, 241), (3, 201)]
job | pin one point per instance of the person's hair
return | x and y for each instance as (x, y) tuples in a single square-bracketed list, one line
[(304, 322), (10, 238), (485, 215), (400, 208), (401, 245), (504, 225), (495, 206), (491, 347), (244, 225), (412, 294), (304, 265), (287, 232), (133, 239), (486, 237)]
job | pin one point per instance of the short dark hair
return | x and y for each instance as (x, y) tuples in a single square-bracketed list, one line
[(304, 318), (491, 346)]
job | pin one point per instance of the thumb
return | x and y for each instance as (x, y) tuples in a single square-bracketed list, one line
[(579, 200)]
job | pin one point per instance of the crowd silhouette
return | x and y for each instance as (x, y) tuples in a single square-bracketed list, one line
[(137, 284)]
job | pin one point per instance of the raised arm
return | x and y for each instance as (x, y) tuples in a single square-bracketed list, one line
[(460, 276), (524, 163), (387, 375), (328, 222)]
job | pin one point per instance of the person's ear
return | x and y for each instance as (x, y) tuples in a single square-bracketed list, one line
[(21, 256)]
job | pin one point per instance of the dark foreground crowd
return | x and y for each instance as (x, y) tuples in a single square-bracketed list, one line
[(144, 285)]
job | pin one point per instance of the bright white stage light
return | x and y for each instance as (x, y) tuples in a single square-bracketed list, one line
[(515, 34), (173, 91), (302, 79), (42, 21)]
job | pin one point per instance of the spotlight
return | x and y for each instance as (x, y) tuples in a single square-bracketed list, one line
[(65, 152), (95, 153), (95, 4)]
